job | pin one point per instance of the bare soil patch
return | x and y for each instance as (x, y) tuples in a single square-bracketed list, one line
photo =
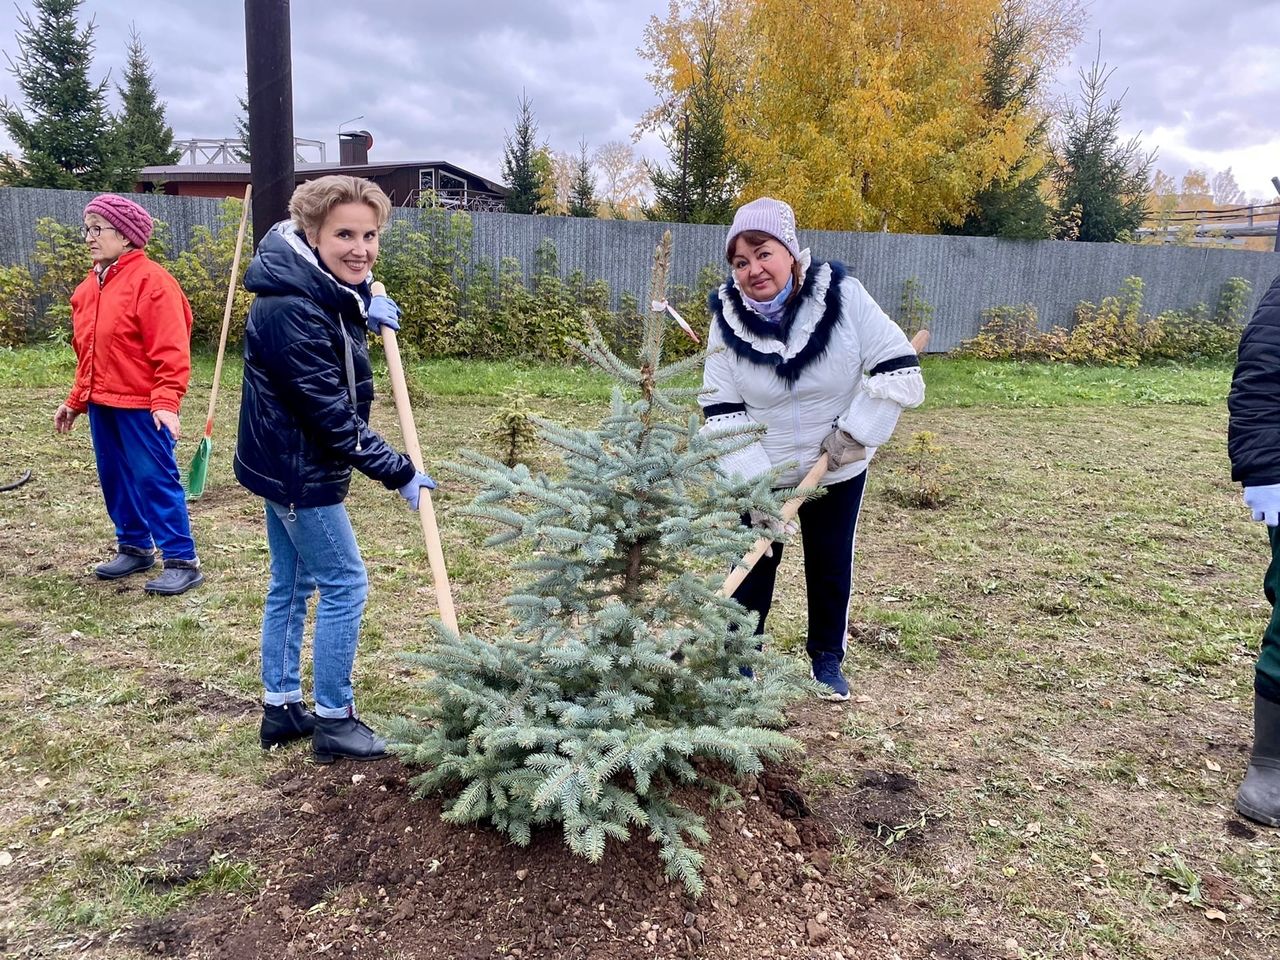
[(178, 691), (350, 865)]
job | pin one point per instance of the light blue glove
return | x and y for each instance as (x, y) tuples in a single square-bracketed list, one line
[(383, 312), (1264, 501), (412, 490)]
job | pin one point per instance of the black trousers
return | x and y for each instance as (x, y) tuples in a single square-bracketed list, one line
[(827, 527)]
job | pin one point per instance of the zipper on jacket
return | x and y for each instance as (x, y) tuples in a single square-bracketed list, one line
[(348, 361), (795, 421), (293, 516)]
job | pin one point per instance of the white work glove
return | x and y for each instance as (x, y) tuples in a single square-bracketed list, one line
[(1264, 501), (841, 448), (773, 527)]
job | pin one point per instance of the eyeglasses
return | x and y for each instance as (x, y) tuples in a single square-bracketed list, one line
[(96, 231)]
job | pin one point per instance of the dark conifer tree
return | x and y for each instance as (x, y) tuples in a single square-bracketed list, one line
[(62, 128)]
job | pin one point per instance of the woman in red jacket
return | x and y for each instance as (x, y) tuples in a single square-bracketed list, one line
[(131, 330)]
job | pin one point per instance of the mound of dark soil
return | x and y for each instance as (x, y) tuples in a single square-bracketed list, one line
[(349, 865)]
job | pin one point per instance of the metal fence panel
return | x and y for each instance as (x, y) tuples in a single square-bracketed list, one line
[(958, 276)]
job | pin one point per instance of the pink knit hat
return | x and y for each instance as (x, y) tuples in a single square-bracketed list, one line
[(774, 217), (131, 220)]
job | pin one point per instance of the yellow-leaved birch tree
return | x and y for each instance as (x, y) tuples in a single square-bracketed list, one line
[(694, 35), (870, 115)]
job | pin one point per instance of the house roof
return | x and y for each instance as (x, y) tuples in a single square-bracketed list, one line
[(239, 172)]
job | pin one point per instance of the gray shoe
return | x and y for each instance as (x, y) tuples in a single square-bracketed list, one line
[(1259, 795), (127, 561), (179, 576)]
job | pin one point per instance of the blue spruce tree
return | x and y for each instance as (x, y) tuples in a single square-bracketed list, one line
[(622, 681)]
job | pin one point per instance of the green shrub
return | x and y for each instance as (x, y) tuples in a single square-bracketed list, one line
[(424, 268), (916, 313), (1232, 309), (1197, 333), (62, 260), (1116, 331), (479, 313), (1110, 333), (1013, 333), (203, 271), (555, 314), (921, 481), (513, 428), (17, 305)]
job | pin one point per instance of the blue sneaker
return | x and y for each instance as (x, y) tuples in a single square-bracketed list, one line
[(826, 670)]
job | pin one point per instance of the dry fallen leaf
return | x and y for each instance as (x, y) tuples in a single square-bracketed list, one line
[(1213, 913), (1215, 767)]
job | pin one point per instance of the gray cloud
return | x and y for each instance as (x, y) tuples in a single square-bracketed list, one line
[(437, 81), (432, 81), (1211, 72)]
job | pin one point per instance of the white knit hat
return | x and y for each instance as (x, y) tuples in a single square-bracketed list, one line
[(767, 215)]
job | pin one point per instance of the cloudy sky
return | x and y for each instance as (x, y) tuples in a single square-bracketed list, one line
[(442, 80)]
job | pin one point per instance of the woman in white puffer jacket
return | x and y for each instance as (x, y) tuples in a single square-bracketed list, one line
[(799, 346)]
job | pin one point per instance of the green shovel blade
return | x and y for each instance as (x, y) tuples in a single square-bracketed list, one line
[(199, 472)]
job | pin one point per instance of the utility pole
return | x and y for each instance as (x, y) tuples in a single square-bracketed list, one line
[(270, 67), (1275, 182)]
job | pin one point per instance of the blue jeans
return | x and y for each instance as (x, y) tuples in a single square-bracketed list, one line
[(140, 481), (312, 548)]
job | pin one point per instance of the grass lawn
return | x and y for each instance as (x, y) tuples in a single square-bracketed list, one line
[(1059, 660)]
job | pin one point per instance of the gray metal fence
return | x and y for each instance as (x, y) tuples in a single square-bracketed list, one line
[(958, 276)]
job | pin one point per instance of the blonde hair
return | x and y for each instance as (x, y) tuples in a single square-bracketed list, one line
[(312, 201)]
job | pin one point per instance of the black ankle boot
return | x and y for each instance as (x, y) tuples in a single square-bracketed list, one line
[(1259, 795), (179, 576), (127, 561), (284, 724), (347, 737)]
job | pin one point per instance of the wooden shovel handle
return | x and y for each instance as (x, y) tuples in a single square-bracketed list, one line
[(226, 313), (426, 510), (792, 506), (789, 511)]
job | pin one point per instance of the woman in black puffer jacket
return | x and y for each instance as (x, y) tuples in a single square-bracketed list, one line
[(1253, 442), (304, 414)]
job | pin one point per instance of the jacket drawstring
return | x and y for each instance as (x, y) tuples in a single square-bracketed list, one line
[(350, 363)]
